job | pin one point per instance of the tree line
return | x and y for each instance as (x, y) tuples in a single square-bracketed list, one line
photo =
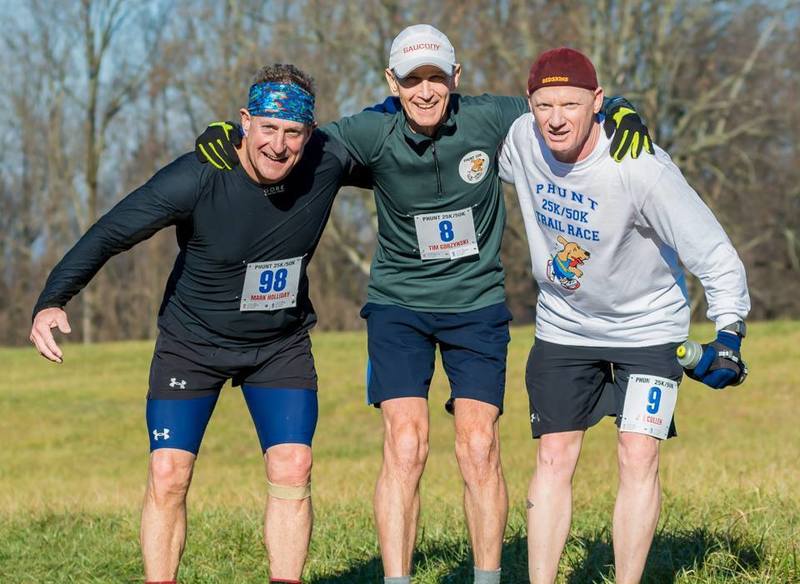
[(99, 94)]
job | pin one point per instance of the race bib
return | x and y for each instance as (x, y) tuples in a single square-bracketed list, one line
[(271, 285), (448, 235), (649, 405)]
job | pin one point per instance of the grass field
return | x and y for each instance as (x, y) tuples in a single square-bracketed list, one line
[(74, 456)]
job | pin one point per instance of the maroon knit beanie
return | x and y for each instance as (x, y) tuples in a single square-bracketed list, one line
[(562, 66)]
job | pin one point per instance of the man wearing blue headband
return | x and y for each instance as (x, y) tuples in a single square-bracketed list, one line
[(236, 307)]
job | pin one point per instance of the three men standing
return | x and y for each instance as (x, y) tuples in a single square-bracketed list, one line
[(237, 307), (437, 281)]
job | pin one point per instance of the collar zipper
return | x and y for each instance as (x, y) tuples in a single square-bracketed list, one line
[(436, 166)]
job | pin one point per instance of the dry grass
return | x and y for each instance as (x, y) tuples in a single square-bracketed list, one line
[(75, 454)]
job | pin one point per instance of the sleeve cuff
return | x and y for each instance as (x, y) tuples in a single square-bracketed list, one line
[(41, 306), (724, 320)]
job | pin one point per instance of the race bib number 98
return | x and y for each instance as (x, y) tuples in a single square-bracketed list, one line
[(649, 405), (271, 285), (447, 235)]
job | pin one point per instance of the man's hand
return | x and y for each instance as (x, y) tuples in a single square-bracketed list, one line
[(721, 364), (218, 144), (42, 336), (625, 128)]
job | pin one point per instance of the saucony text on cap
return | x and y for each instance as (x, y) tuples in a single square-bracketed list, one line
[(418, 45)]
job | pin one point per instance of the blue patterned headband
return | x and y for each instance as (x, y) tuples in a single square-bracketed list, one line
[(286, 101)]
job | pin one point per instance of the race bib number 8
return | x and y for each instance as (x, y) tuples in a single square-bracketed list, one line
[(271, 285), (649, 405), (448, 235)]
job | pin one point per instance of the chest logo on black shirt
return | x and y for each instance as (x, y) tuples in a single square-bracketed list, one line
[(474, 166), (274, 189)]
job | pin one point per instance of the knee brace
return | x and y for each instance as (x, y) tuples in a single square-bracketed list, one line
[(289, 492)]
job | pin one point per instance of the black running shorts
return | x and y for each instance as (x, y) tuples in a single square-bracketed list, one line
[(574, 387)]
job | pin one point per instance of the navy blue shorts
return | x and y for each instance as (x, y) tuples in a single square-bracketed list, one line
[(402, 348), (574, 387)]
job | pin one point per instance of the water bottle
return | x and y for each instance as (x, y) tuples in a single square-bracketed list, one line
[(689, 354)]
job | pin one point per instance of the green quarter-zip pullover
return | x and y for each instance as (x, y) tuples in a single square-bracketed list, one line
[(429, 192)]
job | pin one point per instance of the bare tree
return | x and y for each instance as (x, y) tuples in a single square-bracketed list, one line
[(101, 23), (98, 94)]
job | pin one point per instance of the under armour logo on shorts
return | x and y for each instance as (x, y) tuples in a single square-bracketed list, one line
[(164, 434), (174, 383)]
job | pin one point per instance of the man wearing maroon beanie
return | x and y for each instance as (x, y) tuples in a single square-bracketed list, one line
[(609, 243), (568, 69)]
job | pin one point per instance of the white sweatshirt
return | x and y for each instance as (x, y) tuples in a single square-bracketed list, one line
[(605, 239)]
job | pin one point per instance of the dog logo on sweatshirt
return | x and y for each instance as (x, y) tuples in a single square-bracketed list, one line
[(562, 266)]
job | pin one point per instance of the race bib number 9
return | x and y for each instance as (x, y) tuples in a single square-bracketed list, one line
[(271, 285), (649, 405), (448, 235)]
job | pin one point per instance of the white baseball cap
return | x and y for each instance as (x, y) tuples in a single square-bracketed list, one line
[(421, 44)]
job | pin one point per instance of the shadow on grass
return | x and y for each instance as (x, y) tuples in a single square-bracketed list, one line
[(365, 571), (589, 560), (672, 554), (435, 557)]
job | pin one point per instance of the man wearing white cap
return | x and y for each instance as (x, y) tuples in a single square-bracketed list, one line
[(437, 280), (607, 242)]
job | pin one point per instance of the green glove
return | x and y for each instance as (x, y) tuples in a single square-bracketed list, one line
[(218, 143), (625, 128)]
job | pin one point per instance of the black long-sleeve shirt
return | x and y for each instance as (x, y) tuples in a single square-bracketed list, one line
[(224, 221)]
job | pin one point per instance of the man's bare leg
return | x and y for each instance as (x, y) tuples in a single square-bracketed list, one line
[(485, 495), (163, 531), (638, 504), (405, 451), (289, 515), (550, 503)]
